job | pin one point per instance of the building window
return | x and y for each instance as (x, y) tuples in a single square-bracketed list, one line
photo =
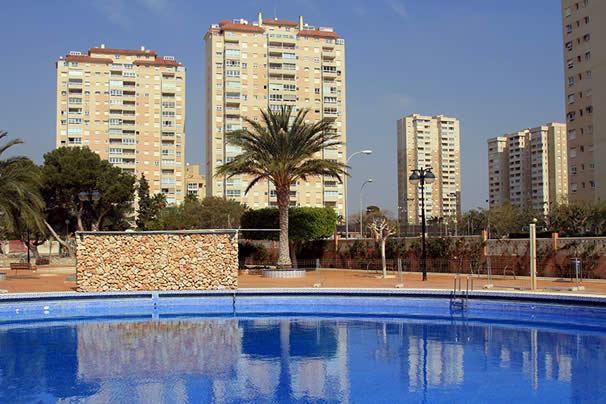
[(572, 134), (587, 55), (570, 81)]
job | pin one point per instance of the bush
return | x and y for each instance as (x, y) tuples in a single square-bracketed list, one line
[(257, 252)]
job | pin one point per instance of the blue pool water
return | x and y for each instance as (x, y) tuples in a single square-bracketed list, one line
[(297, 358)]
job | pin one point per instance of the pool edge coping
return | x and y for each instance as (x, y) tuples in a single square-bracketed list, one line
[(522, 296)]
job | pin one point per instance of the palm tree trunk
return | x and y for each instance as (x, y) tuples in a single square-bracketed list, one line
[(283, 193)]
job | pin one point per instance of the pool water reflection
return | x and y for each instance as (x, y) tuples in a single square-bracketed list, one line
[(299, 359)]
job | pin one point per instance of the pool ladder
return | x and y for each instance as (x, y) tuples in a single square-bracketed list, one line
[(459, 298)]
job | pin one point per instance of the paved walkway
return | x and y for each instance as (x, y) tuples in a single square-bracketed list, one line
[(60, 279)]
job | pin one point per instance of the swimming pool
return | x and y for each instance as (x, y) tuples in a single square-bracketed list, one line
[(301, 346)]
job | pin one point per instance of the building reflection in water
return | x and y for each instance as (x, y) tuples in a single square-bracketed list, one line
[(307, 359)]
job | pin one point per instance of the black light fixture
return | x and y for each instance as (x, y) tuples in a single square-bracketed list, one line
[(422, 176)]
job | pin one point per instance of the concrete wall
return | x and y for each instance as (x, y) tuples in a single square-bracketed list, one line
[(196, 259)]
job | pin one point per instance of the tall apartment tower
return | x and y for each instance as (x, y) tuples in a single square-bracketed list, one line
[(424, 142), (584, 32), (529, 167), (266, 64), (128, 106)]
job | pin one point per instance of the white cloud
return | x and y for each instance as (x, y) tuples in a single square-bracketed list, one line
[(397, 7)]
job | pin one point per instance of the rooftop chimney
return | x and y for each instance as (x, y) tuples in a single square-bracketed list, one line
[(260, 19), (143, 48), (102, 46), (300, 23)]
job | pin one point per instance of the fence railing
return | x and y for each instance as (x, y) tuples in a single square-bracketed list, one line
[(503, 267)]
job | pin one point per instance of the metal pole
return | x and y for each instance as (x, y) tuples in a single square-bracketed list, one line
[(318, 283), (533, 256), (346, 206), (423, 255), (400, 283), (28, 258), (367, 152), (362, 220), (489, 271)]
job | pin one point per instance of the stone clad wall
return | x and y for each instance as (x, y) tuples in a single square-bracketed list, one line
[(118, 261)]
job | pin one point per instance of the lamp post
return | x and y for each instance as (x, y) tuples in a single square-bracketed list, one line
[(367, 152), (2, 245), (361, 220), (422, 176)]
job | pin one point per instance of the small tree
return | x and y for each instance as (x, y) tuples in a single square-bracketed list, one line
[(382, 229), (148, 206), (305, 224)]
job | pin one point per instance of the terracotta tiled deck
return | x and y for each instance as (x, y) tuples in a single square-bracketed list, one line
[(61, 279)]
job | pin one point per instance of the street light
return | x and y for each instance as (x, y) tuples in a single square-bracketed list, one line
[(367, 152), (361, 221), (422, 176)]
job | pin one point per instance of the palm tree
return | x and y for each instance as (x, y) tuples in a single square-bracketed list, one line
[(281, 148), (20, 200)]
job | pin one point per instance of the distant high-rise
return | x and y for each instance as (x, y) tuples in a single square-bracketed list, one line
[(584, 32), (423, 142), (195, 182), (266, 64), (529, 167), (128, 106)]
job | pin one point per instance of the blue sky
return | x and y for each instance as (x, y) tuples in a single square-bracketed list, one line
[(495, 65)]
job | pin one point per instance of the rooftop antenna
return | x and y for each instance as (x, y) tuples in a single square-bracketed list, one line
[(275, 13)]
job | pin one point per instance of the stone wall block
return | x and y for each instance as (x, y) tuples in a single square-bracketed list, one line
[(115, 261)]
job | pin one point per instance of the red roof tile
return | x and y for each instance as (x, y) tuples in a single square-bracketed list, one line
[(317, 32), (240, 27), (85, 58), (122, 51), (280, 22), (157, 62)]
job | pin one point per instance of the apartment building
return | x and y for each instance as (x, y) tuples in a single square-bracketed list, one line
[(128, 106), (584, 33), (266, 64), (195, 183), (429, 142), (529, 167)]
